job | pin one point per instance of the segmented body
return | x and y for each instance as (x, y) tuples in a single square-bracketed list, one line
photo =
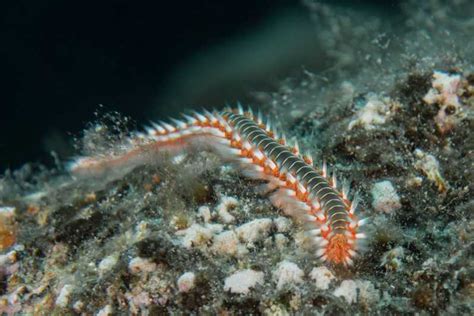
[(296, 186)]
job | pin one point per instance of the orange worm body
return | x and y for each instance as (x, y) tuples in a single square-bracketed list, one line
[(299, 188)]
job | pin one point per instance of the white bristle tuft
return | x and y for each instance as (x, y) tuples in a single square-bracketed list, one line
[(325, 169), (240, 109), (159, 128), (320, 252), (268, 126), (170, 128), (296, 148), (314, 232), (191, 120), (354, 204), (353, 224), (259, 118), (309, 218), (352, 253), (361, 236), (321, 216), (334, 180), (349, 262), (250, 112), (362, 222), (179, 123), (345, 189), (210, 116), (201, 118)]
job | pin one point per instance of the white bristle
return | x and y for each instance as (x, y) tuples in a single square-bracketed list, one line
[(314, 232), (310, 218), (210, 116), (240, 109), (268, 126), (345, 189), (200, 117), (353, 224), (354, 204), (250, 111), (321, 216), (179, 123), (301, 188), (191, 120), (348, 262), (170, 128), (320, 252), (360, 236), (159, 128), (325, 169), (334, 180), (259, 118), (296, 147), (362, 222)]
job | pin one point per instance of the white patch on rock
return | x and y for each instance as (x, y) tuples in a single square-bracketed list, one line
[(106, 311), (241, 281), (281, 241), (197, 235), (139, 265), (205, 213), (226, 204), (349, 289), (282, 224), (287, 273), (255, 230), (429, 165), (186, 282), (107, 264), (225, 243), (384, 197), (444, 91), (64, 295), (322, 277), (375, 112)]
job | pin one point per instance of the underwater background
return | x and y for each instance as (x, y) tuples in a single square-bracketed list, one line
[(383, 91)]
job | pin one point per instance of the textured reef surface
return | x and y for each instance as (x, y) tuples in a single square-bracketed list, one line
[(392, 113)]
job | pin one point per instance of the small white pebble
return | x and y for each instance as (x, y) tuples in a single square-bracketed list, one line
[(196, 235), (205, 213), (138, 265), (282, 224), (384, 197), (64, 295), (322, 277), (255, 230), (78, 306), (225, 243), (107, 264), (186, 282), (106, 311), (241, 281), (287, 273), (281, 241), (375, 112), (226, 204)]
